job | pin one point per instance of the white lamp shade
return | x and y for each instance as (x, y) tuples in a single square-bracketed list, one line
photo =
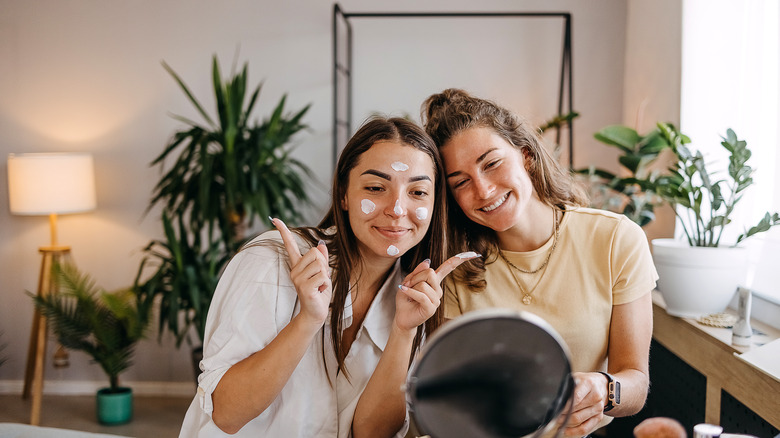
[(41, 184)]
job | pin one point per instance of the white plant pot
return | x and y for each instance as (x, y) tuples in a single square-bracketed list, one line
[(696, 281)]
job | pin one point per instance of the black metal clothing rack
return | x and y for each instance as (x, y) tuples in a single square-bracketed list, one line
[(342, 95)]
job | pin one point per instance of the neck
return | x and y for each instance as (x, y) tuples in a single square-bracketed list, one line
[(370, 274), (536, 228)]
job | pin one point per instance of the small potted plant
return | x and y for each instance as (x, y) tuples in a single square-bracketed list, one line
[(701, 274), (106, 326)]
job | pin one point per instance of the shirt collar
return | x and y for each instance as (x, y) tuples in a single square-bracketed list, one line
[(380, 315)]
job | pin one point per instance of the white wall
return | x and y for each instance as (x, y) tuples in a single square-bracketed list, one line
[(85, 75), (652, 78)]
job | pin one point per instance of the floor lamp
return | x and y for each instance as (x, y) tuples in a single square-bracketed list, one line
[(41, 185)]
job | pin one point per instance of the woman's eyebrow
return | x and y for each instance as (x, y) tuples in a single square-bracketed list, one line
[(478, 160), (388, 177), (378, 173)]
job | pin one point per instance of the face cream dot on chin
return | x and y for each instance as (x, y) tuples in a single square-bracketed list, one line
[(367, 206), (422, 213), (399, 166), (397, 209), (392, 250)]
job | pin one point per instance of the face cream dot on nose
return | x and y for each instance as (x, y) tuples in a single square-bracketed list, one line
[(367, 206), (397, 209), (399, 166), (422, 213), (392, 250)]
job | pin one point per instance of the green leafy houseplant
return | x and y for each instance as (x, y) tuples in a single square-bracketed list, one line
[(225, 173), (708, 201), (633, 195), (106, 326)]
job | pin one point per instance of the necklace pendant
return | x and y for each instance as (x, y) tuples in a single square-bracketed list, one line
[(527, 299)]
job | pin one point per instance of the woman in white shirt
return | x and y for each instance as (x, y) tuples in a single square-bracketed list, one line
[(311, 331)]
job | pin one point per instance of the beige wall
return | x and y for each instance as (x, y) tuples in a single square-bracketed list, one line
[(652, 78), (85, 75)]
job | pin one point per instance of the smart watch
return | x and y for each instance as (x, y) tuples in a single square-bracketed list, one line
[(613, 391)]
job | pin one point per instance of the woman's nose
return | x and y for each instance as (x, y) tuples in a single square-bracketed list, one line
[(484, 187), (398, 209)]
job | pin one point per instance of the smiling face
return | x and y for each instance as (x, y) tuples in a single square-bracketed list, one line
[(488, 178), (383, 199)]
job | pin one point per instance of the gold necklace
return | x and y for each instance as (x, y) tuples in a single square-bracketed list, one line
[(527, 298)]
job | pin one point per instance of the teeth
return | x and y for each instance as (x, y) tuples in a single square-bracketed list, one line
[(496, 204)]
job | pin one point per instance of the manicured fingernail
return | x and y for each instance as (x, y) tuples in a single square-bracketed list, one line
[(321, 242), (271, 219), (427, 261), (402, 287)]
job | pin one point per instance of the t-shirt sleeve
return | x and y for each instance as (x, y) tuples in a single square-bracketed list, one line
[(633, 271), (245, 314)]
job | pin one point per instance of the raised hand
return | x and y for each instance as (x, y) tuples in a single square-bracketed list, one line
[(421, 292), (310, 275)]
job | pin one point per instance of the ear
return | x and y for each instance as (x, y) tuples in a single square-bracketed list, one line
[(344, 203)]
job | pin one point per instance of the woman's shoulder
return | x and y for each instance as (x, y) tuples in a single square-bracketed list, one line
[(593, 221), (271, 242)]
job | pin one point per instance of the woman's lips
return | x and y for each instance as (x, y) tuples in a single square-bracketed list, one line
[(496, 204)]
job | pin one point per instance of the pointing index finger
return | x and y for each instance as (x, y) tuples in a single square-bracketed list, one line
[(289, 241), (455, 261)]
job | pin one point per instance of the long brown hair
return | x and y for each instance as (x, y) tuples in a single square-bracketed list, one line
[(453, 111), (342, 244)]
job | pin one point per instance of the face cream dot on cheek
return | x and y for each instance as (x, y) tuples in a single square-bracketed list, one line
[(399, 166), (422, 213), (397, 209), (367, 206), (392, 250)]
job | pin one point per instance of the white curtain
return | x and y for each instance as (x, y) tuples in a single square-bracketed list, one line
[(730, 79)]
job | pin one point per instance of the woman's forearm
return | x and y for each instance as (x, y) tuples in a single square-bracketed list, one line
[(251, 385), (381, 410), (633, 392)]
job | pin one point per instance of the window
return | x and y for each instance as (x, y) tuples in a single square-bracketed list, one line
[(730, 79)]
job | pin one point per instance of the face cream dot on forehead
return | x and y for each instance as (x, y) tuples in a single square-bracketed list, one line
[(367, 206), (421, 212), (392, 250), (397, 209), (399, 166)]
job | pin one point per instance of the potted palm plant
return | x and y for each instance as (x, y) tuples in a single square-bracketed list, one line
[(224, 174), (106, 326), (701, 274)]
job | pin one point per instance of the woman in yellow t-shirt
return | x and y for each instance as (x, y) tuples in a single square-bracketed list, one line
[(588, 272)]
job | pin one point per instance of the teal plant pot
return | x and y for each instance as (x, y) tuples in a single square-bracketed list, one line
[(114, 407)]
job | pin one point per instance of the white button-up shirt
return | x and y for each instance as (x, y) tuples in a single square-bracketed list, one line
[(254, 300)]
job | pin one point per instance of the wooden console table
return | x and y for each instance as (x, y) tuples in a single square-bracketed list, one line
[(751, 379)]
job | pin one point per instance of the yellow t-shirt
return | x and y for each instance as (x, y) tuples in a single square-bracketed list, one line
[(601, 259)]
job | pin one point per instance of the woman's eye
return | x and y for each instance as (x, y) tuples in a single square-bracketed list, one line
[(492, 164), (374, 189), (459, 184), (419, 193)]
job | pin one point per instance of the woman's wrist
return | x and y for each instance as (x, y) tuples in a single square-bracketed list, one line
[(403, 334), (306, 323)]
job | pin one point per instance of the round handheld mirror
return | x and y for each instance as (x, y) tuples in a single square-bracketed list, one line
[(491, 373)]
